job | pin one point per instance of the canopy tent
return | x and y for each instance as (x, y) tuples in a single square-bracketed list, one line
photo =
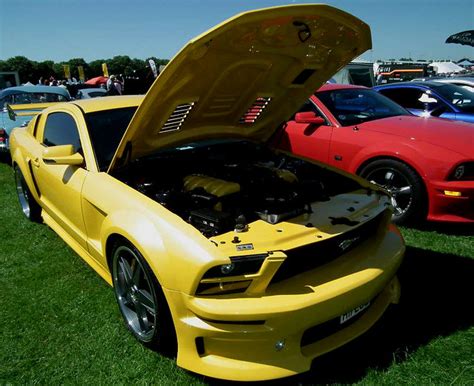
[(446, 67), (97, 80), (465, 63)]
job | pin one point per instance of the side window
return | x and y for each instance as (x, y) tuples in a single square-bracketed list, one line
[(408, 98), (61, 129)]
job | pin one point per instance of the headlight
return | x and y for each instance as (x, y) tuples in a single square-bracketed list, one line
[(463, 172), (232, 277)]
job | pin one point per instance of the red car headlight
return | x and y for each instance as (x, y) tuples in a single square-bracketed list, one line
[(462, 172)]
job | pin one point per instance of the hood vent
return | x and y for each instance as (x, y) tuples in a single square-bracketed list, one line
[(177, 118), (255, 110)]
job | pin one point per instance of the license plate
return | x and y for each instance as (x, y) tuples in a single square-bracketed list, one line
[(349, 315)]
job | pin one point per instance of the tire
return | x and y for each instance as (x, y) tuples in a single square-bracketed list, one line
[(140, 299), (28, 204), (405, 186)]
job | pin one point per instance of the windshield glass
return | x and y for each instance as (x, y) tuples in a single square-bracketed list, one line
[(354, 106), (33, 97), (461, 97), (106, 129)]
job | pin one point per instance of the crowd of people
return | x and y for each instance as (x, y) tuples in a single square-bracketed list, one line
[(114, 84)]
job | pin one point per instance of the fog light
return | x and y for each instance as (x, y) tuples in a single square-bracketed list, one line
[(280, 345), (227, 268), (452, 193)]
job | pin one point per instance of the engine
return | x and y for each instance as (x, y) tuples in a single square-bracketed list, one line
[(223, 187), (215, 205)]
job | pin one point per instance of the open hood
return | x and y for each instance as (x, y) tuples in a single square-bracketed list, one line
[(244, 77)]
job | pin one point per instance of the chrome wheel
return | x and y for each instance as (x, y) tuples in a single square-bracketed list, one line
[(397, 185), (29, 206), (135, 294), (22, 192), (406, 188)]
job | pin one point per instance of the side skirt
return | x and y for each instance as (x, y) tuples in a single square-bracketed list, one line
[(76, 247)]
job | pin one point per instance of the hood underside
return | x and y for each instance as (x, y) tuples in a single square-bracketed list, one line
[(244, 77)]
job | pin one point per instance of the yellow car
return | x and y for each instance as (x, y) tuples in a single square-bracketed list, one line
[(251, 261)]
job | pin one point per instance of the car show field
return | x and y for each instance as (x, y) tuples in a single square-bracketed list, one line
[(60, 323), (265, 206)]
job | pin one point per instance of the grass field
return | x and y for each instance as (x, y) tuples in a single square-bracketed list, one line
[(60, 324)]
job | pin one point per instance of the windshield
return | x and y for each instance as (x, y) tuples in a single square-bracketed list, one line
[(106, 129), (354, 106), (461, 97), (33, 97)]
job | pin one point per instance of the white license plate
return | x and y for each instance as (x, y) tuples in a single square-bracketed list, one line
[(349, 315)]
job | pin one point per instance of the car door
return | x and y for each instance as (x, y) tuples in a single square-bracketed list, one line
[(307, 139), (347, 138), (60, 186)]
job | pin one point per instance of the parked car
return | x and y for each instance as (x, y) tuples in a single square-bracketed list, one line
[(95, 92), (427, 164), (26, 101), (434, 99), (257, 260), (466, 81)]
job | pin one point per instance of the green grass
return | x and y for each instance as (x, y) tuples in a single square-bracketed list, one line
[(60, 324)]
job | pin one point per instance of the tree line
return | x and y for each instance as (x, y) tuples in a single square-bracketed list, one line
[(32, 71)]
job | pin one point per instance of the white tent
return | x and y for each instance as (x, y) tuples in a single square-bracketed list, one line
[(446, 67)]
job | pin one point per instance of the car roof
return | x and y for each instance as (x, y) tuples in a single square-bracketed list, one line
[(108, 103), (338, 86), (422, 84), (34, 89)]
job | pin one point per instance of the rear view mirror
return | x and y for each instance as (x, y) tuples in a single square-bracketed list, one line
[(62, 155), (309, 117)]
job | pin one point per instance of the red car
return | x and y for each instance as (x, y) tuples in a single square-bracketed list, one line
[(426, 163)]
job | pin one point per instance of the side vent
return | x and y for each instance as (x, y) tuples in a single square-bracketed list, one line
[(255, 110), (177, 117)]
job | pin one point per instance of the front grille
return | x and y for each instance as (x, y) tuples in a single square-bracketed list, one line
[(323, 330), (313, 255)]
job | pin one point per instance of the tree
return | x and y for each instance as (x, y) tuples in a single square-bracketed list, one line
[(76, 62), (95, 68), (24, 66)]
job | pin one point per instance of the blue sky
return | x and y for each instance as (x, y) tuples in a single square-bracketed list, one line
[(64, 29)]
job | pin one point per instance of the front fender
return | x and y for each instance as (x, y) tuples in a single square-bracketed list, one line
[(401, 151), (177, 258)]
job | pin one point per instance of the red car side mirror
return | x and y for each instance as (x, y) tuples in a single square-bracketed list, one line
[(309, 117)]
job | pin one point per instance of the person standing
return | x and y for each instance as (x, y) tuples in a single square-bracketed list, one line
[(111, 89)]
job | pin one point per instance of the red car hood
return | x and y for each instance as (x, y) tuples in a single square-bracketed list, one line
[(453, 135)]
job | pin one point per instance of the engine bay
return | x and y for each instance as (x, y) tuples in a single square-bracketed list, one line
[(219, 186)]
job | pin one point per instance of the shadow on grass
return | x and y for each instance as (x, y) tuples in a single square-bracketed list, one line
[(5, 158), (456, 229), (435, 287)]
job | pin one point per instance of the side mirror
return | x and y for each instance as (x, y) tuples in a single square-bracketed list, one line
[(62, 155), (309, 117)]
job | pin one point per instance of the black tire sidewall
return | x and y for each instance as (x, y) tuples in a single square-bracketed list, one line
[(164, 329)]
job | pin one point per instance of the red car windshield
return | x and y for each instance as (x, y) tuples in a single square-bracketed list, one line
[(354, 106)]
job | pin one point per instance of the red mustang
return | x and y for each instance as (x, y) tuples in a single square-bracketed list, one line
[(426, 163)]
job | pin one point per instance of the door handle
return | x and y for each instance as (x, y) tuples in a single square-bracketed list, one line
[(35, 162)]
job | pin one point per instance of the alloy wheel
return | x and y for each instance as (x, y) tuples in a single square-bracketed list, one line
[(134, 292)]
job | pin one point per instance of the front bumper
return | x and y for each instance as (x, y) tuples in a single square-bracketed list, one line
[(273, 336), (450, 208)]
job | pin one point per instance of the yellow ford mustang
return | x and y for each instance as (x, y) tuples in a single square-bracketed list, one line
[(250, 260)]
